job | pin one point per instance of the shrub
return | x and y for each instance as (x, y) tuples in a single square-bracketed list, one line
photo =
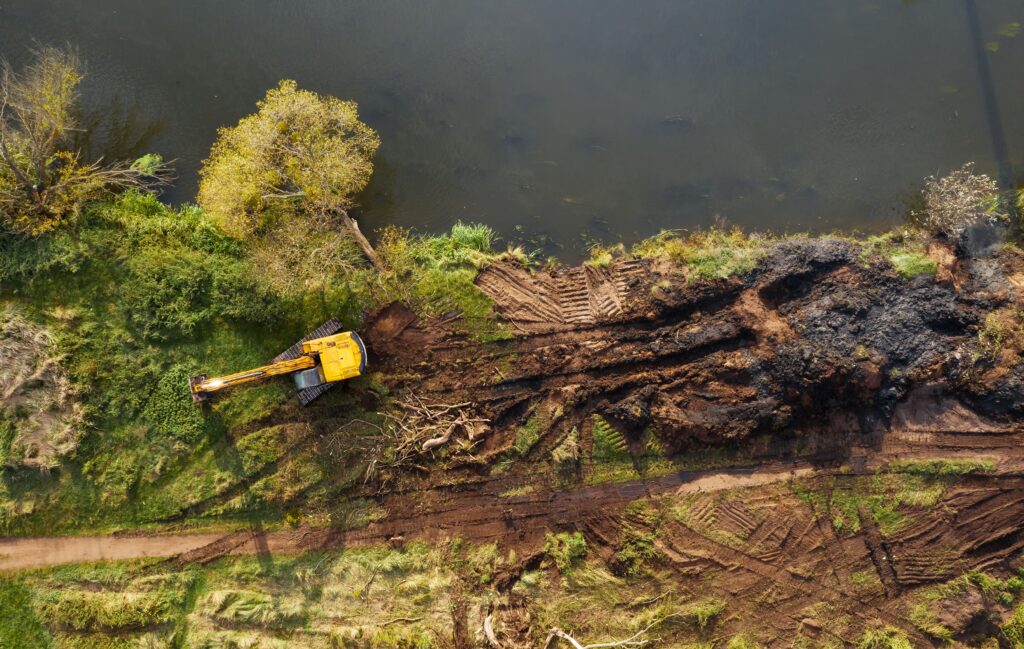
[(173, 292), (170, 409), (959, 200), (43, 185)]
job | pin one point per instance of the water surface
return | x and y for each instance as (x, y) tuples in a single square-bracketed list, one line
[(562, 121)]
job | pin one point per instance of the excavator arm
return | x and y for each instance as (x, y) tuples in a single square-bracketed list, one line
[(202, 386), (316, 363)]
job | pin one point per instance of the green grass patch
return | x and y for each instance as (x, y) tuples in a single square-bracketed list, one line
[(887, 496), (704, 612), (20, 626), (940, 468), (907, 255), (884, 638), (707, 254), (636, 550), (434, 275), (1013, 628), (565, 549)]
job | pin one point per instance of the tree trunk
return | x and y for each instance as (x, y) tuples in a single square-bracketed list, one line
[(351, 224)]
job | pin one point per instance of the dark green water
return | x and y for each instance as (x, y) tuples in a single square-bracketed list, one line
[(568, 120)]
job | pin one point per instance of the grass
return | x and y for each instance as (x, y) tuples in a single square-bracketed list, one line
[(924, 618), (867, 583), (940, 468), (434, 275), (20, 626), (636, 550), (703, 612), (884, 638), (1013, 627), (905, 253), (742, 641), (886, 496), (708, 254), (566, 550), (140, 297)]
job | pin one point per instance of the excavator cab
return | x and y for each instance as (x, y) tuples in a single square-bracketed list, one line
[(316, 363)]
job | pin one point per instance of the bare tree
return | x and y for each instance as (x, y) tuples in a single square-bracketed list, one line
[(42, 183)]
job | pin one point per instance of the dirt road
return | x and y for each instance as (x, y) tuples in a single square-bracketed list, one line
[(472, 516)]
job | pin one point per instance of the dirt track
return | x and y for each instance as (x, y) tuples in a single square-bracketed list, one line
[(474, 517), (819, 365)]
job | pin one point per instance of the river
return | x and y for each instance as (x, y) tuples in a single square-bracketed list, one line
[(561, 122)]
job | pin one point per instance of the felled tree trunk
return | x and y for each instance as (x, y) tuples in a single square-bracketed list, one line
[(364, 244)]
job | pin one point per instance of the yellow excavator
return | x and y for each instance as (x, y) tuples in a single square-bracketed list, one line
[(317, 363)]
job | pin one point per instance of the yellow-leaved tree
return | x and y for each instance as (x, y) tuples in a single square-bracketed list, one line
[(293, 166)]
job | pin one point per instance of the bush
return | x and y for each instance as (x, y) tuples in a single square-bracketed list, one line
[(959, 200), (174, 292), (170, 409)]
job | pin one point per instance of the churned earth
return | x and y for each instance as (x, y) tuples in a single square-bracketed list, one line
[(824, 450)]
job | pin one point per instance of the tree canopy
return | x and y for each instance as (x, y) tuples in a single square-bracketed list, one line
[(302, 157), (43, 181)]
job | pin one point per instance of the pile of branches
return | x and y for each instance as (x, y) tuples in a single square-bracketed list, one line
[(421, 427)]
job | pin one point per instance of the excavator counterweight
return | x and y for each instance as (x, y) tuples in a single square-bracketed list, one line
[(316, 363)]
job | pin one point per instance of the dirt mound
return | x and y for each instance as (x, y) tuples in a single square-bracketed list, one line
[(40, 421)]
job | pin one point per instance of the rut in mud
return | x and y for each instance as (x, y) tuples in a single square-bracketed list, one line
[(816, 340), (820, 366)]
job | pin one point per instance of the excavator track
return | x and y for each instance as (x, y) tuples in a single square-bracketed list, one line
[(328, 328)]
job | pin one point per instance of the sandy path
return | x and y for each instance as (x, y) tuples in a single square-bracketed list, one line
[(22, 553), (474, 519)]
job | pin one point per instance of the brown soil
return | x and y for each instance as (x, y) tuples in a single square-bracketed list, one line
[(817, 367)]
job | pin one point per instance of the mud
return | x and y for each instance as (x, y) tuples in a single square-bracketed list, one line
[(820, 367), (816, 338)]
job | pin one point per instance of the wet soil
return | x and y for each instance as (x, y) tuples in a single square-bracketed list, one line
[(820, 365)]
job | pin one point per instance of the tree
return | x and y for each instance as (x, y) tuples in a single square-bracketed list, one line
[(296, 164), (43, 183)]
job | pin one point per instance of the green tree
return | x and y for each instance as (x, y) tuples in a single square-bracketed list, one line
[(44, 182), (294, 165)]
